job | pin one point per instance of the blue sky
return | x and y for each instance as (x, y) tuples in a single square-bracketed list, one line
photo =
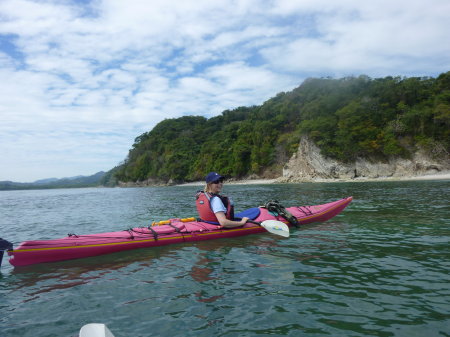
[(80, 80)]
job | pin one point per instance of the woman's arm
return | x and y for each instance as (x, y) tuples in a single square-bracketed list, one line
[(224, 222)]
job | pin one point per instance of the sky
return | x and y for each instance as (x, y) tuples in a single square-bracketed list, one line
[(81, 79)]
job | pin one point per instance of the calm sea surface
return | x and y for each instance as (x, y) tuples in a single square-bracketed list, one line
[(381, 268)]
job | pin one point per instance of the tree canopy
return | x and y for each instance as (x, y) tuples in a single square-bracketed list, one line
[(347, 118)]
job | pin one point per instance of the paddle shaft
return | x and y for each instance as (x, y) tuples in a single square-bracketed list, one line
[(255, 222)]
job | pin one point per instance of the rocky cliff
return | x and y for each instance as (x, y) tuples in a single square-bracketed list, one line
[(307, 164)]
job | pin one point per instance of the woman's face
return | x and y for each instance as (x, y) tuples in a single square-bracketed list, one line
[(216, 187)]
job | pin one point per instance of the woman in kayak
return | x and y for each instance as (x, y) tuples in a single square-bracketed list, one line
[(214, 208)]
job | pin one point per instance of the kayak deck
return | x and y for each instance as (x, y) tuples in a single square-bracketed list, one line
[(176, 231)]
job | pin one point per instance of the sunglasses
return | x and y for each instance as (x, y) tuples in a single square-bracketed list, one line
[(220, 181)]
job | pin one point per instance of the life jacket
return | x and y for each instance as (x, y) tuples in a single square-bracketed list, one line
[(205, 211)]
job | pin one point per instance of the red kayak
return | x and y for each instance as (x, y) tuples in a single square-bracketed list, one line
[(165, 233)]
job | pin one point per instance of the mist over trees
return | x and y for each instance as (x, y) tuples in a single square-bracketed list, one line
[(347, 118)]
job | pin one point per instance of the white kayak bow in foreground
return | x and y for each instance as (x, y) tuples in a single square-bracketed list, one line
[(95, 330)]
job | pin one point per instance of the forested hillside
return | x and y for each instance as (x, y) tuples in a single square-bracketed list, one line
[(347, 118), (72, 182)]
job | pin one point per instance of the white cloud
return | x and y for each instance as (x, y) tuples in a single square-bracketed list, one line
[(81, 80), (377, 38)]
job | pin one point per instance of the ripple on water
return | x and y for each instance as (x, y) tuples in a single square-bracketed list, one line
[(379, 269)]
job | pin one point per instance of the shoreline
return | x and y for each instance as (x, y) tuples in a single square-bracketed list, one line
[(282, 180), (443, 176), (261, 181)]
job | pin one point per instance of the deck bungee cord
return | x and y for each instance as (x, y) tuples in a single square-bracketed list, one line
[(152, 233), (305, 210)]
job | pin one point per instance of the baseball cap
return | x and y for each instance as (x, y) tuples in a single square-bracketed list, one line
[(213, 176)]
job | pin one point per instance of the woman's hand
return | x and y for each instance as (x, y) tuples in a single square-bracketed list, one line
[(244, 220)]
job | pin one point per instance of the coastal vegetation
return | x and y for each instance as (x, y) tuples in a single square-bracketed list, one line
[(348, 118)]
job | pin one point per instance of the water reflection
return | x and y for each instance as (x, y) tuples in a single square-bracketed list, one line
[(200, 272), (67, 274)]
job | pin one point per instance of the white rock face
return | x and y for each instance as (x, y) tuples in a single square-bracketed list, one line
[(307, 164)]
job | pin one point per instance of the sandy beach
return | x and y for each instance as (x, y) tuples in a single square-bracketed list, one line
[(439, 176), (235, 182)]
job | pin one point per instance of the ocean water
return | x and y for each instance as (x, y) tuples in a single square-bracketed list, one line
[(380, 268)]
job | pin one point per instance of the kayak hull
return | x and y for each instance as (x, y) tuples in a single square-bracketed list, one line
[(82, 246)]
